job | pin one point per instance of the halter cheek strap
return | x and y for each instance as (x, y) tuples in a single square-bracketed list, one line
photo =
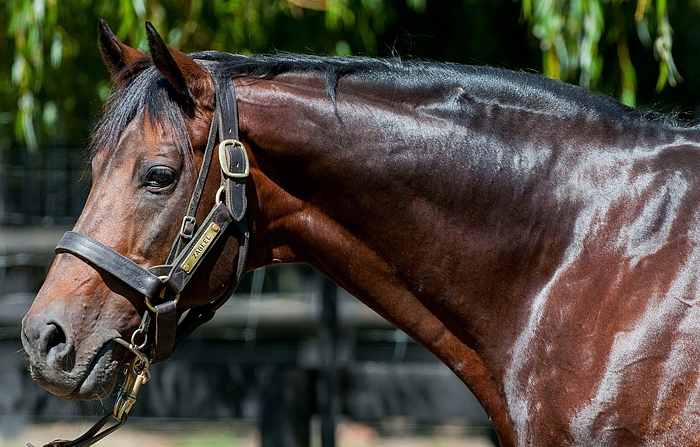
[(99, 255), (161, 285)]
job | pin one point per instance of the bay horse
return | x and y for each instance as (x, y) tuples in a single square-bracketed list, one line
[(542, 241)]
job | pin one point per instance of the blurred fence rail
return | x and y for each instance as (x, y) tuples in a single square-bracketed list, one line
[(42, 189)]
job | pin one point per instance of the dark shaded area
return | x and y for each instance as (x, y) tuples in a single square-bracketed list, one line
[(281, 359), (209, 381)]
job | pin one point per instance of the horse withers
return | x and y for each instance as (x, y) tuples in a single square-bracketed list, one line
[(540, 240)]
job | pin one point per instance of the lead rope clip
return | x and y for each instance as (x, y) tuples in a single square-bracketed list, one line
[(137, 374)]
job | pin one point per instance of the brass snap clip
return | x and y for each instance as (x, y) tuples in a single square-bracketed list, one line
[(137, 374)]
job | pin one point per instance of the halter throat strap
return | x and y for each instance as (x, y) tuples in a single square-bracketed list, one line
[(161, 285)]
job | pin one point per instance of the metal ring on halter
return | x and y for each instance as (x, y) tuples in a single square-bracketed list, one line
[(142, 330), (133, 350), (150, 306), (142, 345), (218, 194)]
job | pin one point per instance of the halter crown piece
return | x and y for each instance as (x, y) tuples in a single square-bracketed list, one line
[(161, 285)]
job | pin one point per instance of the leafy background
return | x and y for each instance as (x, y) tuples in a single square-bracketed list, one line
[(644, 52)]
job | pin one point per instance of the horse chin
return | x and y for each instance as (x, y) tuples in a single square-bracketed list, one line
[(101, 375), (95, 381)]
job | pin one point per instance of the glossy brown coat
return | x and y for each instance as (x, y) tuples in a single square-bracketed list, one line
[(540, 240)]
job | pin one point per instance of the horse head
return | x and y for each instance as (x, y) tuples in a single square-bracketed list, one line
[(145, 157)]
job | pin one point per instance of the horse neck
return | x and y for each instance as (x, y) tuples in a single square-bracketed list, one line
[(389, 201), (448, 231)]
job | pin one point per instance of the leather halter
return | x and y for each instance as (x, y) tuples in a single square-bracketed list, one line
[(164, 283)]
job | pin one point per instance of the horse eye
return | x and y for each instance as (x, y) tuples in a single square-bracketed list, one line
[(160, 177)]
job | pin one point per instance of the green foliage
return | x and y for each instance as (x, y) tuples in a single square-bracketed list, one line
[(54, 86), (571, 32), (32, 27), (50, 41)]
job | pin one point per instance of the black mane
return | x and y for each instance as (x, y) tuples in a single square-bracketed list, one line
[(515, 88), (148, 91)]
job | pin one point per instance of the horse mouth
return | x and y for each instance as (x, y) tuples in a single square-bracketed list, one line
[(100, 376)]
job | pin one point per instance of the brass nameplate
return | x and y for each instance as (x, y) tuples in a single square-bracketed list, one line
[(200, 248)]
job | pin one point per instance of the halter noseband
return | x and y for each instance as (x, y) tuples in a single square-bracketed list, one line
[(164, 283)]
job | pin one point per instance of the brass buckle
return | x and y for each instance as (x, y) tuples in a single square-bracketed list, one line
[(224, 163)]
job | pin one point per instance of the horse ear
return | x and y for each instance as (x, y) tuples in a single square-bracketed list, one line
[(115, 54), (183, 73)]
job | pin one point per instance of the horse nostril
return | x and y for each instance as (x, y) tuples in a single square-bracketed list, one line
[(56, 338), (57, 348)]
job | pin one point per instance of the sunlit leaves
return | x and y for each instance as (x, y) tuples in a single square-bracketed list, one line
[(662, 48), (628, 75), (132, 15), (50, 114), (48, 79), (28, 27), (56, 53), (19, 70), (571, 32), (42, 49), (416, 5)]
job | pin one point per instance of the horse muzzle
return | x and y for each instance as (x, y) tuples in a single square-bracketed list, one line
[(76, 372)]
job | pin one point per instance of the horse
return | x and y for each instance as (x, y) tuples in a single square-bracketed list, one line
[(541, 240)]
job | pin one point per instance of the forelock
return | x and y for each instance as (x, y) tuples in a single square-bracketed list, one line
[(145, 94)]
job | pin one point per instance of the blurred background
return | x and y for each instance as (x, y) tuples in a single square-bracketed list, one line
[(291, 360)]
